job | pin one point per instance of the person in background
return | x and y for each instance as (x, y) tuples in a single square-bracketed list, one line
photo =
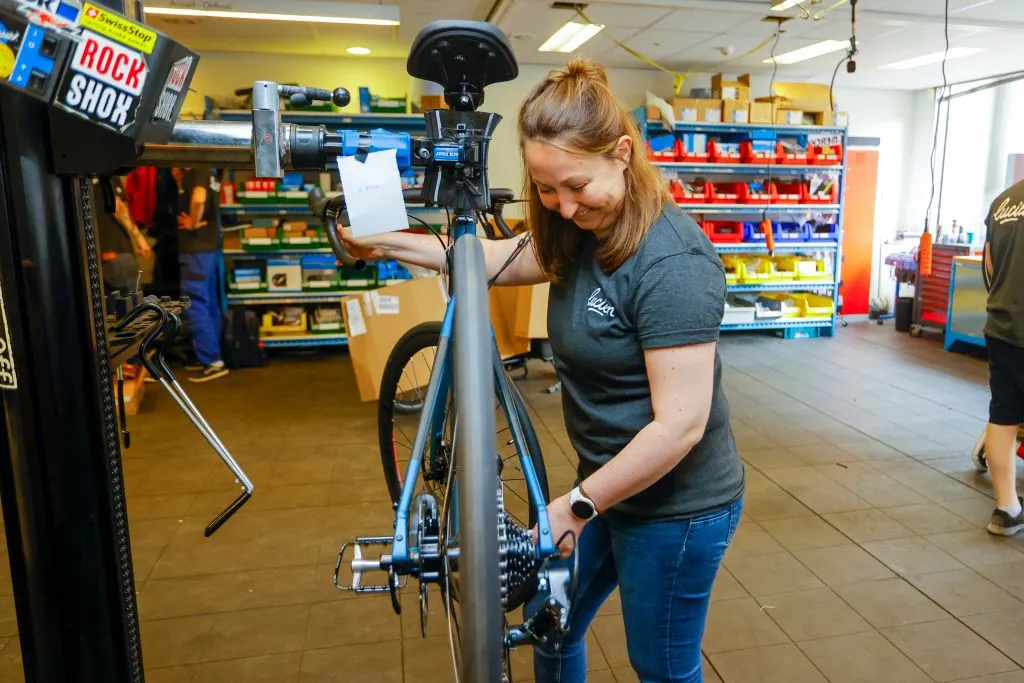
[(120, 238), (198, 242), (1004, 338)]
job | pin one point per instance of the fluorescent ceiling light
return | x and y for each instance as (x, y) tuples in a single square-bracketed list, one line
[(358, 50), (810, 52), (309, 11), (934, 57), (570, 37), (783, 5)]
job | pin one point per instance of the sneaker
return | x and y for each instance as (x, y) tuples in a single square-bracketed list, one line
[(208, 373), (1002, 524)]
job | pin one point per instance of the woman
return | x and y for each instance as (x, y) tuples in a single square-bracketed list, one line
[(636, 301)]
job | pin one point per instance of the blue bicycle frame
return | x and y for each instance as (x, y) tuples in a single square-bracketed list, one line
[(431, 426)]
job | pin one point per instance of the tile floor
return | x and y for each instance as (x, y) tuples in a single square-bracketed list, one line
[(861, 558)]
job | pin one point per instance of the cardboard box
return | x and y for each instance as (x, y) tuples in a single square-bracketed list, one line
[(729, 90), (802, 96), (789, 117), (375, 321), (432, 102), (709, 111), (760, 112), (686, 109), (735, 111), (653, 113), (532, 312)]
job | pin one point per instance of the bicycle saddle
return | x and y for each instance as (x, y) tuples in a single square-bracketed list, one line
[(463, 57)]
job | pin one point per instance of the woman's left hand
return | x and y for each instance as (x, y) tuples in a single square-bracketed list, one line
[(562, 520)]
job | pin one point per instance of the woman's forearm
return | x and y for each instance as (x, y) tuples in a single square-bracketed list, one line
[(652, 454), (418, 249)]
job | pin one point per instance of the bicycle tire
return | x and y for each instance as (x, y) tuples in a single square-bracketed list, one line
[(476, 471), (424, 336)]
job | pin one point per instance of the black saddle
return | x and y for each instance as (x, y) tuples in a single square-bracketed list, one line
[(463, 57)]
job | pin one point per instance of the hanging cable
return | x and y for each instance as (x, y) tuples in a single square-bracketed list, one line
[(766, 224), (924, 257)]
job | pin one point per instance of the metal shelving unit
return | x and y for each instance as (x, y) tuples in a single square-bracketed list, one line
[(340, 339), (291, 298), (407, 123), (788, 327)]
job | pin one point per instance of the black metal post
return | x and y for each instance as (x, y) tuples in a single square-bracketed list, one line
[(60, 470)]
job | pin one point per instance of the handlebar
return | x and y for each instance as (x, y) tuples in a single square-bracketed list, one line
[(329, 210)]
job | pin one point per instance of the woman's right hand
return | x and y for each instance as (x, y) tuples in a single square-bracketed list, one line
[(359, 247)]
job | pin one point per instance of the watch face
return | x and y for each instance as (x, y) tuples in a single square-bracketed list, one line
[(582, 509)]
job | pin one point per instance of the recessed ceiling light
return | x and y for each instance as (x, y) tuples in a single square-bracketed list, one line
[(570, 37), (810, 52), (358, 50), (933, 57)]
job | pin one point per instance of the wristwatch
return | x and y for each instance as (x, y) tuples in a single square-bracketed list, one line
[(580, 505)]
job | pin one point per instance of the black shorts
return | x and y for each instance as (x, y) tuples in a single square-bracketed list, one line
[(1006, 379)]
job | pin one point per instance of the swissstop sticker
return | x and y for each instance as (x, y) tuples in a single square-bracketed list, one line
[(104, 82)]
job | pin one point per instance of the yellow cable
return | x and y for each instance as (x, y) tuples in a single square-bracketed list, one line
[(680, 76)]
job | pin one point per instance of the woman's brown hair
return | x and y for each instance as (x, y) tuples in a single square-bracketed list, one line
[(574, 106)]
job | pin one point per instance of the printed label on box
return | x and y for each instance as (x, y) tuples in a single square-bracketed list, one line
[(8, 378), (356, 324), (384, 305)]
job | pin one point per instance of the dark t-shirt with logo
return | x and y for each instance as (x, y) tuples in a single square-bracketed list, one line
[(1005, 240), (207, 237), (671, 292)]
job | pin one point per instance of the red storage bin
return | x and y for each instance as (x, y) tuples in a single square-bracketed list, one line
[(727, 193), (724, 232), (691, 157), (829, 196), (795, 158), (718, 156), (748, 156), (790, 193), (662, 155), (767, 197), (827, 155), (682, 195)]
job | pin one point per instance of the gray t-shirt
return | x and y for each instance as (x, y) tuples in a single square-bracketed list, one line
[(671, 292), (1006, 243)]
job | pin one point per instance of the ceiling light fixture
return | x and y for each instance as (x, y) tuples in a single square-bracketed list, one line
[(810, 52), (933, 57), (358, 50), (570, 37), (308, 11)]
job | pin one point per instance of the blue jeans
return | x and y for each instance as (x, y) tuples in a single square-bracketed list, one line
[(664, 571), (199, 283)]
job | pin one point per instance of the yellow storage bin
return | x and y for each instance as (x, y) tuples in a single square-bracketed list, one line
[(791, 305), (755, 270), (283, 322), (803, 268), (815, 305), (732, 269)]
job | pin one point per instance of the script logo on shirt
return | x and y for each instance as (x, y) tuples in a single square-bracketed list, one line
[(1006, 213), (598, 304)]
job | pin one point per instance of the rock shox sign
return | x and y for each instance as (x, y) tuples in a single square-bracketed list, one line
[(104, 82), (172, 90)]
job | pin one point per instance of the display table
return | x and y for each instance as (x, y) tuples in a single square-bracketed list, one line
[(967, 303)]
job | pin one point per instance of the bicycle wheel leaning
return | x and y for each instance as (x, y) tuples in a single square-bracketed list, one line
[(482, 651)]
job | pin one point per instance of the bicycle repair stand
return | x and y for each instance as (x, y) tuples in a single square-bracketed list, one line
[(88, 89)]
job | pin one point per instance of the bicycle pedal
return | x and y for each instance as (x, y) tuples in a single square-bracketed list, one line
[(360, 564)]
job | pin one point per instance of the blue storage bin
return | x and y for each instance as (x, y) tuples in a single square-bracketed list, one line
[(752, 232), (821, 232), (788, 232)]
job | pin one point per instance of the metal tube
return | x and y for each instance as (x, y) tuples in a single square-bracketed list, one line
[(228, 144)]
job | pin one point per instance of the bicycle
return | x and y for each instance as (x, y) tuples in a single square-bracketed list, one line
[(459, 532)]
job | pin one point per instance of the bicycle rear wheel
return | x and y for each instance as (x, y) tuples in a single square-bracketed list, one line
[(482, 651)]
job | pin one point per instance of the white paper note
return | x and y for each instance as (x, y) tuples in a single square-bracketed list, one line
[(356, 324), (373, 193)]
